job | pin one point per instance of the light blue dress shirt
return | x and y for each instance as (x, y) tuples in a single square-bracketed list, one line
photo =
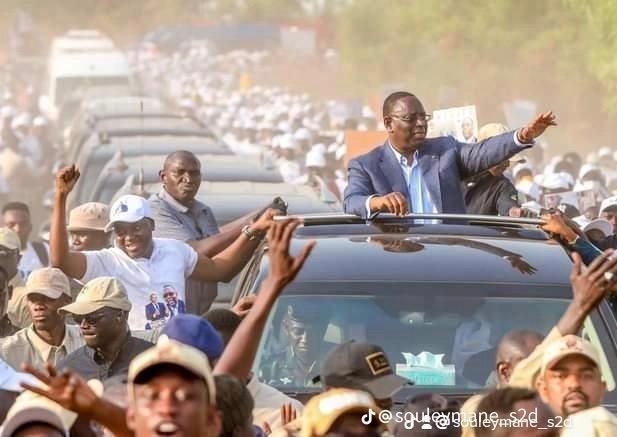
[(419, 199)]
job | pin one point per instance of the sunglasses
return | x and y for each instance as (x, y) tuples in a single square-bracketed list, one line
[(170, 294), (91, 319)]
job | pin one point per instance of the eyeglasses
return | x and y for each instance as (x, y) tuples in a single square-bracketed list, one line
[(414, 118), (91, 319)]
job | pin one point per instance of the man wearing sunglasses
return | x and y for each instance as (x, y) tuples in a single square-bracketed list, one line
[(412, 174), (101, 311)]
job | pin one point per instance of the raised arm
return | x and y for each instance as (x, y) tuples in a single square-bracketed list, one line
[(237, 359), (73, 264), (476, 158), (227, 264)]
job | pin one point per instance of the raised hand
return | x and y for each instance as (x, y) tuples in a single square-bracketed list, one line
[(284, 267), (288, 414), (265, 220), (66, 179), (66, 388), (590, 286), (537, 127)]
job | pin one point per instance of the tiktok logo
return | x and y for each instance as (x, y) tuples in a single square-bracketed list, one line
[(368, 417)]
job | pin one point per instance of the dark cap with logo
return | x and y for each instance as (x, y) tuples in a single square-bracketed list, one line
[(362, 366)]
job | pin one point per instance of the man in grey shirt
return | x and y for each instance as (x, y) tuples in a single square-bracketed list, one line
[(178, 215)]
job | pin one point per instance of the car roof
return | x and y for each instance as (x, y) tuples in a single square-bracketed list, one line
[(231, 200), (459, 254)]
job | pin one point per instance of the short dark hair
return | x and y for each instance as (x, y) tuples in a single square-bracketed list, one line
[(224, 321), (391, 100), (16, 206), (501, 401), (236, 404)]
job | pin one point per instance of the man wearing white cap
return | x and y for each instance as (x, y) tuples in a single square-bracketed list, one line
[(48, 339), (288, 165), (144, 264)]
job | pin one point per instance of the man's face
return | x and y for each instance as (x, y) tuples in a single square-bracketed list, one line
[(572, 385), (100, 327), (407, 124), (9, 260), (172, 404), (303, 338), (19, 222), (610, 214), (170, 297), (135, 239), (88, 240), (182, 179), (153, 298), (44, 311), (467, 128)]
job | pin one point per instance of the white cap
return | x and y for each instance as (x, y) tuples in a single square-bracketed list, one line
[(608, 203), (315, 159), (605, 152), (302, 134), (557, 181), (128, 209), (7, 111), (20, 121), (39, 121), (601, 225), (321, 148), (287, 142), (521, 167), (585, 169)]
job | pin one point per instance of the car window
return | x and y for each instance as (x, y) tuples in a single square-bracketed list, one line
[(444, 341)]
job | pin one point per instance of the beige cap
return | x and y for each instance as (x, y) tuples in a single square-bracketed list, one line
[(9, 239), (48, 281), (30, 407), (91, 216), (324, 409), (566, 346), (103, 292), (491, 130), (168, 351)]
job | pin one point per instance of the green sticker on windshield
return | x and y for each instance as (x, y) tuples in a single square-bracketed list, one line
[(426, 369)]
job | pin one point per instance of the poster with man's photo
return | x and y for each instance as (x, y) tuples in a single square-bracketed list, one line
[(460, 123), (581, 199)]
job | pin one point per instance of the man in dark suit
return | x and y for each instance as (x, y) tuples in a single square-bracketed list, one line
[(156, 312), (410, 173), (174, 305)]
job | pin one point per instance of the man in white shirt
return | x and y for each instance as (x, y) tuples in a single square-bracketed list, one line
[(34, 254), (144, 264)]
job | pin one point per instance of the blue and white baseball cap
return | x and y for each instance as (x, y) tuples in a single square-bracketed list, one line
[(128, 209)]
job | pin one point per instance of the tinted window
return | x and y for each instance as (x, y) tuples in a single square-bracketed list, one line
[(444, 341)]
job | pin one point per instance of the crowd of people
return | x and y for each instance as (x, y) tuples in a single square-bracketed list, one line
[(106, 328)]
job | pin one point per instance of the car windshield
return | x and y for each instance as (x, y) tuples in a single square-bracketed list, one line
[(436, 341)]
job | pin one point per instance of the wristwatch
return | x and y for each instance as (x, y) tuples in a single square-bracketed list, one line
[(252, 236)]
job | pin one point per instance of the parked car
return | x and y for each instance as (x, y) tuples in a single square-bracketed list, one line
[(145, 169), (437, 298)]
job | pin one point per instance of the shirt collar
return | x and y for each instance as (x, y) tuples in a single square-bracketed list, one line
[(197, 205), (173, 202), (400, 158), (40, 345)]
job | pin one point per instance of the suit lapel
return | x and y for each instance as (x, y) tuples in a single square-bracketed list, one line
[(391, 169), (429, 164)]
